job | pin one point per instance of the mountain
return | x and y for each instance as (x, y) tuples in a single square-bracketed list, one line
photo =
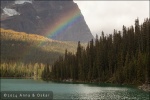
[(31, 48), (59, 20)]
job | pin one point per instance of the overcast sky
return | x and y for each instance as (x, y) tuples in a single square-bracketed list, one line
[(109, 15)]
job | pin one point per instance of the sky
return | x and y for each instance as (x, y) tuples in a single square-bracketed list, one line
[(109, 15)]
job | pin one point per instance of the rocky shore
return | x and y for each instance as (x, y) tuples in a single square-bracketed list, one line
[(145, 87)]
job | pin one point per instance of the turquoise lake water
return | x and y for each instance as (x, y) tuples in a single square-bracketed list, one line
[(76, 91)]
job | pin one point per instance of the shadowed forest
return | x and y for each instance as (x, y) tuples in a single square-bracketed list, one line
[(121, 57), (26, 55)]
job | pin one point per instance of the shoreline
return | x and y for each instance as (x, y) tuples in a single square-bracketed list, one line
[(144, 87)]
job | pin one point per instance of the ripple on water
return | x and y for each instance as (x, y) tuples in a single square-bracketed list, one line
[(75, 91)]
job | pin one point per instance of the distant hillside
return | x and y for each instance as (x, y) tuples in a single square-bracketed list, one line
[(31, 48)]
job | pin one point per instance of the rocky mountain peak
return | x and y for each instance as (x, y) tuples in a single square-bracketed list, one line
[(60, 20)]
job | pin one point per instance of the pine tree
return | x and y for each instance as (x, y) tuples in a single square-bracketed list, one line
[(122, 57)]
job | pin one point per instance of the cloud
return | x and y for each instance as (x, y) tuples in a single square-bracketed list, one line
[(109, 15)]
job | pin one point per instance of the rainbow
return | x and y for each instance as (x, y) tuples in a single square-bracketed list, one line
[(63, 23)]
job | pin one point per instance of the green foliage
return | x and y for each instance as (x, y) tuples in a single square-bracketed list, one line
[(19, 69), (121, 58), (26, 55)]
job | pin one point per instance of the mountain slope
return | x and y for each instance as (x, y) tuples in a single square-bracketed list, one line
[(60, 20), (31, 48)]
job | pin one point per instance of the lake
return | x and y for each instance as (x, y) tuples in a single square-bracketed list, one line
[(75, 91)]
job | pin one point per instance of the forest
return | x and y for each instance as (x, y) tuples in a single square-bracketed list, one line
[(122, 57), (21, 70), (25, 55)]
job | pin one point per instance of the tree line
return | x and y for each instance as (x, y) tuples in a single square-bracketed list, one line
[(25, 55), (121, 57), (21, 70)]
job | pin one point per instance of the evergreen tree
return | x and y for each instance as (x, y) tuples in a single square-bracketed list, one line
[(122, 58)]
